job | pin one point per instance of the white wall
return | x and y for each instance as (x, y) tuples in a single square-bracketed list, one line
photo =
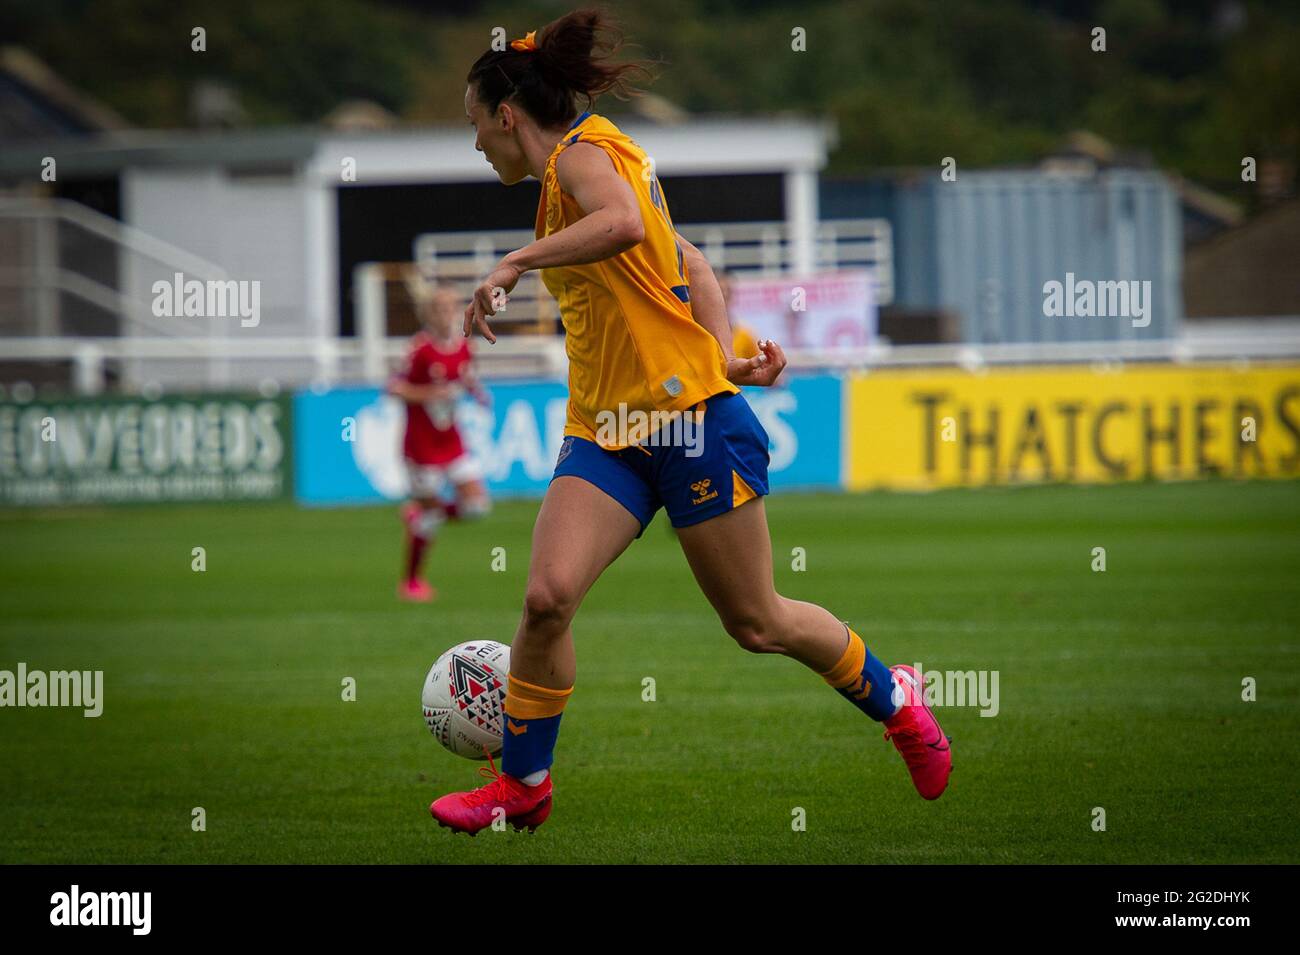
[(252, 228)]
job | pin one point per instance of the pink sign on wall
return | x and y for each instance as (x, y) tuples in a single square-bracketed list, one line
[(825, 311)]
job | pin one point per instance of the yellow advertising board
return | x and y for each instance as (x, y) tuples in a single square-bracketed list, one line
[(946, 427)]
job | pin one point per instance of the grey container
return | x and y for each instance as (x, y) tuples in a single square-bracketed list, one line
[(984, 245)]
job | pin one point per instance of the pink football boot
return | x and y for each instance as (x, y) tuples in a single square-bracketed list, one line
[(416, 591), (917, 736), (474, 810)]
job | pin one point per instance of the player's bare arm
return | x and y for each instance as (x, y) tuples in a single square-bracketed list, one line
[(611, 224), (708, 307), (435, 391), (710, 310)]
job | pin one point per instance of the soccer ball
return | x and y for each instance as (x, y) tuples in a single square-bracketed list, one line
[(464, 698)]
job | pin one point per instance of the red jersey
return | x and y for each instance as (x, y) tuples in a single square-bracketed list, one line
[(431, 435)]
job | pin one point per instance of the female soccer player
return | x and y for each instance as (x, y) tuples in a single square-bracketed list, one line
[(646, 331), (445, 479)]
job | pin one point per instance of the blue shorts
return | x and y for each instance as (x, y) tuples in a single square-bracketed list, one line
[(709, 464)]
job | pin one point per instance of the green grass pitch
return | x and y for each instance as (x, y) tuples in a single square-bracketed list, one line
[(1120, 690)]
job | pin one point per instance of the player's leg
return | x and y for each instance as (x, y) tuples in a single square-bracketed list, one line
[(715, 500), (472, 501), (595, 506), (580, 531), (422, 517), (730, 556), (712, 479), (471, 495)]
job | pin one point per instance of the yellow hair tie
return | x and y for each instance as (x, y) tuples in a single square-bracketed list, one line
[(527, 43)]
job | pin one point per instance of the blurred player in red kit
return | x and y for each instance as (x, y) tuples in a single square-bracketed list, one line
[(446, 482)]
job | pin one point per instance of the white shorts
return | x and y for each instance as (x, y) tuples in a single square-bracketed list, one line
[(431, 480)]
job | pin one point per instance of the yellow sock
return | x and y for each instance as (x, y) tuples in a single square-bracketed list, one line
[(849, 670)]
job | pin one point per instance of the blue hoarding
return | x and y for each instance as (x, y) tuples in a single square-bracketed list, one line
[(348, 441)]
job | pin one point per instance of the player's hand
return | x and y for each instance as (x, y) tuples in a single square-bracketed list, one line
[(489, 298), (763, 369)]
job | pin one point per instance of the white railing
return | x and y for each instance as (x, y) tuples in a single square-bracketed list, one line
[(747, 248), (1185, 350), (288, 361), (751, 249), (55, 248), (357, 361)]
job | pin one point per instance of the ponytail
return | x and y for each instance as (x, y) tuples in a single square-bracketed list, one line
[(552, 70)]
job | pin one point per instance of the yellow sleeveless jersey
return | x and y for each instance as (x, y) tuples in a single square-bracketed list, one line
[(629, 332)]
